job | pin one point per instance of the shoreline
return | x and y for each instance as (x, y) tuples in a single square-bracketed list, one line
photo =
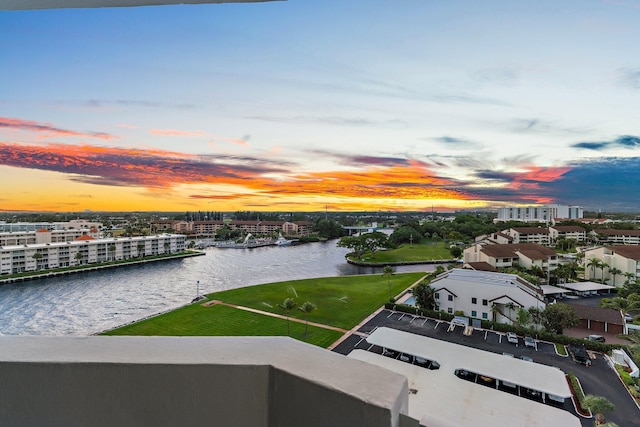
[(398, 263), (72, 270)]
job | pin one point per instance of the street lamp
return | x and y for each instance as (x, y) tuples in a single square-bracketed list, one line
[(197, 288)]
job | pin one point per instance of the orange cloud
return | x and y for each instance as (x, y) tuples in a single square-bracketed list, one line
[(47, 130)]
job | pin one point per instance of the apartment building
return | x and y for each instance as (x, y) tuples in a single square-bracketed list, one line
[(85, 249), (537, 235), (525, 255), (622, 258), (617, 237), (574, 232), (475, 292), (544, 213)]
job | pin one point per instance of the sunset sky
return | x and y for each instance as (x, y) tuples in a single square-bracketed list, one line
[(302, 104)]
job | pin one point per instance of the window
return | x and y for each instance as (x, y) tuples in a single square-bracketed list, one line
[(450, 297), (485, 316), (436, 295), (485, 302), (474, 300), (450, 310), (474, 313)]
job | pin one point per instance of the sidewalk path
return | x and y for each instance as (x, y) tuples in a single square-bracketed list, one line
[(280, 316)]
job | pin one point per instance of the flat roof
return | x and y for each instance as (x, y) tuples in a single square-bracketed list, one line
[(443, 400), (550, 289), (586, 286), (453, 356)]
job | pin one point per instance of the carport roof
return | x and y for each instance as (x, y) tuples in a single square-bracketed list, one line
[(453, 356), (549, 289), (468, 403), (586, 286)]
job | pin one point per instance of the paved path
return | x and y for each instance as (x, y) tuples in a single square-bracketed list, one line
[(280, 316)]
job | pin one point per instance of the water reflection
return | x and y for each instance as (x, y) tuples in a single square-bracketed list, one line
[(87, 303)]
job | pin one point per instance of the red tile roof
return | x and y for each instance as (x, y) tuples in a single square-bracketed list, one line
[(531, 250), (627, 251)]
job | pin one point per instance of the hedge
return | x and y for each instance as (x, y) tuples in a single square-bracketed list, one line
[(503, 327)]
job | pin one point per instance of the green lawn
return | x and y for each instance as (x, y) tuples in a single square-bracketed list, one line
[(218, 320), (417, 252), (342, 301)]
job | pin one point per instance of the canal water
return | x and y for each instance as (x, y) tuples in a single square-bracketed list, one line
[(87, 303)]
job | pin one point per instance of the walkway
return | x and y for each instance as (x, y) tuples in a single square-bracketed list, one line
[(279, 316)]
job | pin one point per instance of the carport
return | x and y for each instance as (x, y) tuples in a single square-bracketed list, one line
[(473, 384), (553, 290), (586, 288)]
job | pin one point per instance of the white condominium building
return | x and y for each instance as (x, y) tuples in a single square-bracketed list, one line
[(85, 249), (543, 213)]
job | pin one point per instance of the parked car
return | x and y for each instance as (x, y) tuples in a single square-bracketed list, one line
[(529, 341), (512, 337), (526, 358), (598, 338)]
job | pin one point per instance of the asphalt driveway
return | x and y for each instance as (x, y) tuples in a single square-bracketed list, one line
[(599, 379)]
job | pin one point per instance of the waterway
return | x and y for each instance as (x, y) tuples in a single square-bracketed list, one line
[(88, 303)]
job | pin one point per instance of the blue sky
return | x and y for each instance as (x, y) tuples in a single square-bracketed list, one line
[(303, 104)]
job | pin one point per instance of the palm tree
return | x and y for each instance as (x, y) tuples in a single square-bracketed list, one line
[(37, 256), (141, 249), (597, 405), (511, 306), (629, 276), (112, 250), (593, 263), (621, 304), (425, 296), (388, 272), (79, 257), (288, 305), (614, 272), (306, 308), (603, 265), (495, 310)]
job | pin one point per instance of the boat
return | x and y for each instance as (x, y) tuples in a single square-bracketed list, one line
[(281, 241)]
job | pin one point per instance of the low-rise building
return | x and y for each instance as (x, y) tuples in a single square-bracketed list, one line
[(624, 260), (44, 235), (485, 295), (617, 237), (573, 232), (525, 255), (537, 235), (85, 249)]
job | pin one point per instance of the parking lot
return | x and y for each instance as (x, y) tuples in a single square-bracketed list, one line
[(598, 379)]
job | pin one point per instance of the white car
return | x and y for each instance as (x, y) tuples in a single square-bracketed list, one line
[(529, 341), (512, 337)]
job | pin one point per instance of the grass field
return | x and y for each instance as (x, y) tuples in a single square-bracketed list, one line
[(342, 302), (417, 252), (219, 320)]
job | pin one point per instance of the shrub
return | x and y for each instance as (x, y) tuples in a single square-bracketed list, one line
[(577, 389)]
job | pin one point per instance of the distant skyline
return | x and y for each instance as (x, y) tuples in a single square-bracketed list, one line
[(297, 105)]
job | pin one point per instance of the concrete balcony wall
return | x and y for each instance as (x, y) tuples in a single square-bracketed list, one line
[(169, 381)]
